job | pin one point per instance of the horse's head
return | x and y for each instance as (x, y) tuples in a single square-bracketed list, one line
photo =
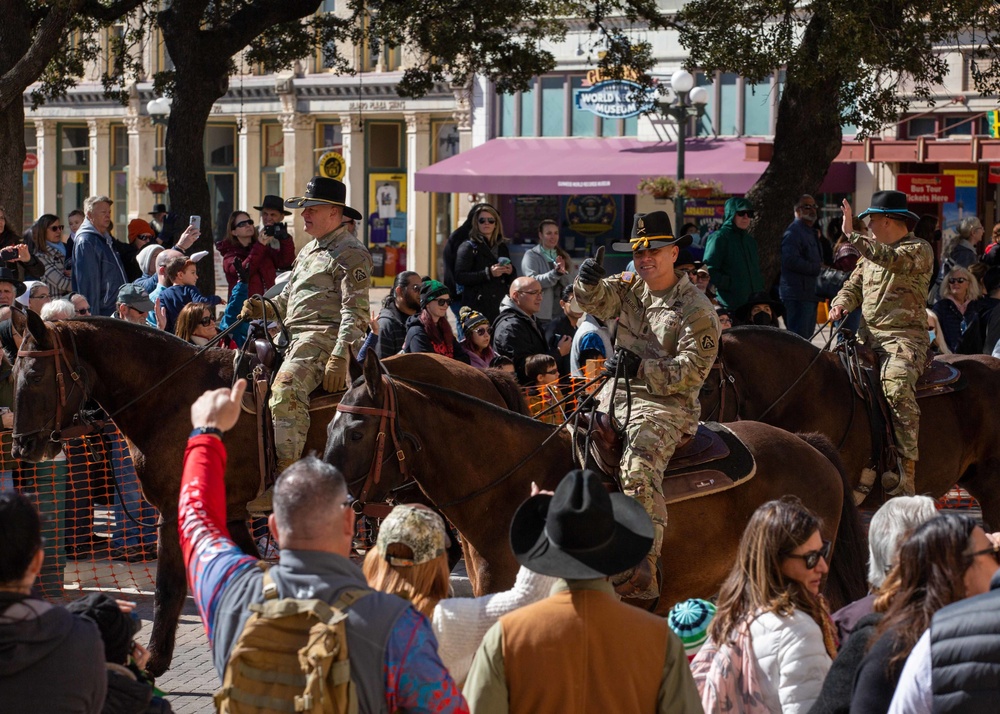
[(365, 411), (46, 396)]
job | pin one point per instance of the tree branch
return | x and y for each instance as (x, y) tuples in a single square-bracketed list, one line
[(44, 47), (107, 13)]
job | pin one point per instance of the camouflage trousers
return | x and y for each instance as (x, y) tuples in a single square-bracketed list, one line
[(649, 444), (902, 362), (299, 375)]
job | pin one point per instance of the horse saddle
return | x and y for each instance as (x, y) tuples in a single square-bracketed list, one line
[(263, 362), (937, 378), (712, 460)]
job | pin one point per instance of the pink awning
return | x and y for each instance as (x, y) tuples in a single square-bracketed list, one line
[(594, 165)]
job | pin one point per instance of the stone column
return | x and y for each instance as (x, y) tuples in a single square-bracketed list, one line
[(418, 204), (249, 162), (141, 158), (100, 156), (354, 156), (47, 174), (463, 117), (299, 163)]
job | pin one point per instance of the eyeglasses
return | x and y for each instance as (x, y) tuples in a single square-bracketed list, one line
[(55, 228), (83, 311), (531, 292), (745, 214), (808, 205), (812, 557), (486, 219), (443, 302), (993, 550), (481, 331), (38, 297), (959, 281), (137, 310), (241, 224), (554, 370), (207, 320), (146, 236), (415, 287)]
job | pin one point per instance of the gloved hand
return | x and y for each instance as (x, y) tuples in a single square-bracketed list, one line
[(629, 364), (592, 271), (252, 310), (335, 375)]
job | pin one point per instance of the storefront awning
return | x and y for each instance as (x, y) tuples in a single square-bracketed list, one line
[(592, 165)]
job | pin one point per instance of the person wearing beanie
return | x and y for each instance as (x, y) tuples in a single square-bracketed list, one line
[(140, 235), (477, 342), (690, 620), (146, 260), (429, 330)]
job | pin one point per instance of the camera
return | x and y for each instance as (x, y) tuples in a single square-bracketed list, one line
[(276, 230)]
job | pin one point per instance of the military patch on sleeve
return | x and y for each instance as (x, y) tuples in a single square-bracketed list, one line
[(707, 342), (360, 275), (628, 277)]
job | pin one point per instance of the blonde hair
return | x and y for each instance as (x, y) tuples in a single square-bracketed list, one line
[(424, 585), (974, 292), (497, 235)]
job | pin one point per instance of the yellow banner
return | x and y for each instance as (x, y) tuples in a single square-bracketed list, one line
[(964, 178)]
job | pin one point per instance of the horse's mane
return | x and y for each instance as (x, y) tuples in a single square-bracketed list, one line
[(768, 333), (510, 390)]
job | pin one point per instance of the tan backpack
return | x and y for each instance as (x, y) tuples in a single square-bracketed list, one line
[(291, 657)]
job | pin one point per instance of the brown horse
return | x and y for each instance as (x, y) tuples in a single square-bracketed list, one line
[(117, 362), (959, 436), (468, 464)]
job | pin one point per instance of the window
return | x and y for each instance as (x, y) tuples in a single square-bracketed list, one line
[(921, 126), (508, 107), (329, 137), (272, 161), (159, 149), (119, 174), (631, 126), (220, 145), (384, 145), (609, 127), (727, 104), (74, 158), (583, 123), (965, 126), (553, 106), (528, 110), (328, 6), (757, 108)]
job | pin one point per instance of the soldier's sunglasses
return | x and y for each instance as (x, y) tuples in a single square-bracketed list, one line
[(812, 557)]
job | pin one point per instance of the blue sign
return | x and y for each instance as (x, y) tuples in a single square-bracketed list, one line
[(615, 99)]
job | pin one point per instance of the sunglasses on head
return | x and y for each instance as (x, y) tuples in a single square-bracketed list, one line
[(487, 219), (247, 222), (993, 550), (207, 320), (959, 281), (443, 302), (745, 214), (812, 557)]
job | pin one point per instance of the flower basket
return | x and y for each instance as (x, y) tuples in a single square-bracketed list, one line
[(696, 188), (662, 188), (157, 187)]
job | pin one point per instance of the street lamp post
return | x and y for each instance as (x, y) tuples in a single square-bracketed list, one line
[(689, 101)]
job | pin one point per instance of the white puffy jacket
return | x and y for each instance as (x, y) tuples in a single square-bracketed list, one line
[(792, 656)]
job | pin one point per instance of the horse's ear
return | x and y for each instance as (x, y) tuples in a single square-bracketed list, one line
[(373, 376), (354, 368), (36, 327)]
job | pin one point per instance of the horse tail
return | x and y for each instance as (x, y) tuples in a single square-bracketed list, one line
[(850, 549), (510, 390)]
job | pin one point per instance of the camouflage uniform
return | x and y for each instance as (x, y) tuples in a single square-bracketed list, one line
[(676, 333), (325, 308), (890, 284)]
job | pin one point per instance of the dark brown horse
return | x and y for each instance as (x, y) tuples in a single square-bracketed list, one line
[(116, 363), (466, 465), (959, 433)]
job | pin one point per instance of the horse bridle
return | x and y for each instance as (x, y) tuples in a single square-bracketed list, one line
[(388, 423), (63, 366)]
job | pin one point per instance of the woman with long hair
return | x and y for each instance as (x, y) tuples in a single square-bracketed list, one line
[(482, 264), (248, 251), (477, 342), (771, 607), (410, 560), (958, 290), (196, 324), (429, 330), (946, 559), (47, 237)]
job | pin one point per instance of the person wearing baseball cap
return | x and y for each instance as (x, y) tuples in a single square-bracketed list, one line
[(891, 286), (324, 306), (581, 649), (666, 343), (133, 304)]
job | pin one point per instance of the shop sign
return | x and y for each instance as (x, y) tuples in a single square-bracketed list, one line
[(332, 165), (592, 214), (615, 99), (30, 162), (927, 188), (994, 173)]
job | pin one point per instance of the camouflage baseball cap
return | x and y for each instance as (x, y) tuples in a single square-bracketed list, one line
[(416, 527)]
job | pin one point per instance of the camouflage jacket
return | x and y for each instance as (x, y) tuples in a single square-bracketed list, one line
[(327, 292), (890, 283), (676, 332)]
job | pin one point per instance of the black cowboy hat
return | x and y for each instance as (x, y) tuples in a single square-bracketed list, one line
[(581, 531), (322, 191), (759, 298), (9, 276), (274, 203), (649, 231), (890, 203), (158, 208)]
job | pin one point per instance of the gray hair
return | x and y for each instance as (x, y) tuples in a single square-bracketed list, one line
[(974, 292), (308, 496), (967, 225), (61, 309), (889, 526), (91, 201)]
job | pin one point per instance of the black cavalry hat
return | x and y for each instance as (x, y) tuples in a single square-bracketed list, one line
[(274, 203), (759, 298), (9, 276), (890, 203), (158, 208), (324, 191), (581, 531), (649, 231)]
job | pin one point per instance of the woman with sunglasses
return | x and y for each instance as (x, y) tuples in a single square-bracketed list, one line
[(248, 251), (482, 265), (47, 237), (958, 290), (946, 559), (196, 324), (429, 330), (478, 342), (770, 608), (731, 256)]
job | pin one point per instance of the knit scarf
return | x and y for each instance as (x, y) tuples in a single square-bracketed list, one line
[(443, 348)]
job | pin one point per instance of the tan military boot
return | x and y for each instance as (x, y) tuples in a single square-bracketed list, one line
[(901, 485), (639, 583), (264, 503)]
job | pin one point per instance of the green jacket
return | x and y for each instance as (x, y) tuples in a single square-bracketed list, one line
[(731, 259)]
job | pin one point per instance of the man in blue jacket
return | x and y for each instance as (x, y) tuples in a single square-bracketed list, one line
[(97, 272), (801, 262)]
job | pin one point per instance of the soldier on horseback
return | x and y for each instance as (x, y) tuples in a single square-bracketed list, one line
[(890, 284), (667, 340)]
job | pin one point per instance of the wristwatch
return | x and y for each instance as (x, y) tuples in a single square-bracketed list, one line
[(206, 430)]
